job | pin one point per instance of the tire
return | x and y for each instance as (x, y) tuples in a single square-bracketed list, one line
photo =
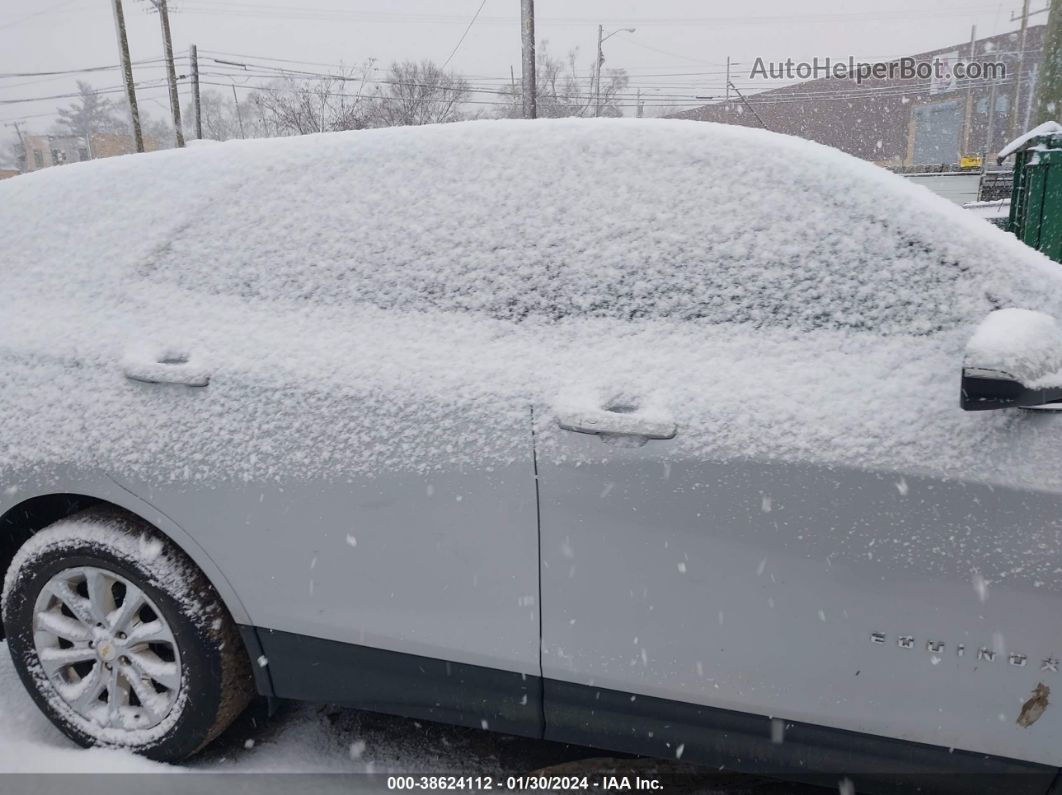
[(162, 673)]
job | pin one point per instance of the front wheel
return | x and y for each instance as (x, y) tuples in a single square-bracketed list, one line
[(120, 639)]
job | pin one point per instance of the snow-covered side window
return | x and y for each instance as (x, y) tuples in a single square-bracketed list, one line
[(533, 263), (560, 220), (497, 222)]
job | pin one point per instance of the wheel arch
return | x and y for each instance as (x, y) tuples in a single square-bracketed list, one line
[(20, 520)]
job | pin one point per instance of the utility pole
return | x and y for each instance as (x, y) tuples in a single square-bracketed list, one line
[(1015, 110), (601, 39), (968, 115), (527, 40), (171, 74), (1049, 93), (127, 72), (597, 72), (239, 115), (18, 132), (726, 102), (990, 132), (512, 83), (21, 146), (196, 106)]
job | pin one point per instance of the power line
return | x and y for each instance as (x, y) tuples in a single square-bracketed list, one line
[(500, 78), (496, 103), (47, 10), (52, 114), (79, 71), (256, 72), (231, 8), (460, 40), (107, 90), (840, 92), (842, 89), (754, 113), (642, 45)]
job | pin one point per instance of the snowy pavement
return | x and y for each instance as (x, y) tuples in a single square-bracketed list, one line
[(309, 739), (300, 738)]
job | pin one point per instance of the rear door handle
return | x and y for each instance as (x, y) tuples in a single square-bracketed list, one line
[(610, 423), (165, 369)]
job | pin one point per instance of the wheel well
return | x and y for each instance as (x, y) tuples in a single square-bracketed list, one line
[(23, 520)]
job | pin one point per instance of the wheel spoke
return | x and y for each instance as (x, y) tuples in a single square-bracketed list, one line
[(167, 674), (62, 626), (101, 599), (133, 600), (149, 699), (84, 694), (55, 659), (151, 632), (78, 605), (117, 697)]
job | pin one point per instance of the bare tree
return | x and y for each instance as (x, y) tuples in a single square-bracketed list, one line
[(418, 93), (293, 106), (563, 90), (220, 121)]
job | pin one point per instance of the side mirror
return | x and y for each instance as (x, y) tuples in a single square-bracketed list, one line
[(1013, 360)]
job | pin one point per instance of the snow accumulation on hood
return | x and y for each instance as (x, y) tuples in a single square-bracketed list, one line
[(397, 298)]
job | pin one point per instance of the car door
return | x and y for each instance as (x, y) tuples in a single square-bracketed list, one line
[(276, 382), (689, 556), (362, 512), (779, 508)]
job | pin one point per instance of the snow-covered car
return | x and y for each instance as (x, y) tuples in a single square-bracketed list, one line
[(647, 435)]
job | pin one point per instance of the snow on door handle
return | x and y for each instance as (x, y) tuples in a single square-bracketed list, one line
[(608, 423), (164, 367)]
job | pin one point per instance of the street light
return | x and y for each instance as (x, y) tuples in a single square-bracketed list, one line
[(601, 39)]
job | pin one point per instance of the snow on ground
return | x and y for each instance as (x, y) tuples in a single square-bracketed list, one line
[(302, 738), (29, 743), (313, 739)]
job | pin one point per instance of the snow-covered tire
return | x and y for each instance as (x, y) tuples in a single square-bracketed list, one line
[(179, 649)]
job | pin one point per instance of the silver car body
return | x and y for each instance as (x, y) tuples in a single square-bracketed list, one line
[(785, 515)]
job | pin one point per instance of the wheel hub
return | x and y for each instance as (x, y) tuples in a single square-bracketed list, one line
[(105, 651)]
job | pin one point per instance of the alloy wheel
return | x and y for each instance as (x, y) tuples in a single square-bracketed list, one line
[(107, 649)]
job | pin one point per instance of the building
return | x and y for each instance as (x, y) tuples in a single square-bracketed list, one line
[(111, 144), (44, 151), (935, 119)]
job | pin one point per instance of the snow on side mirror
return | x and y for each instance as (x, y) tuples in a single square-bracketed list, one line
[(1013, 359)]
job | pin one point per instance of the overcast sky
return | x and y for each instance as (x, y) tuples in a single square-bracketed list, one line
[(677, 52)]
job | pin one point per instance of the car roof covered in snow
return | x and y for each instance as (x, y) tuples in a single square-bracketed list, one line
[(617, 218)]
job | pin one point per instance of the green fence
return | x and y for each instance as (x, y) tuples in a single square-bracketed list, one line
[(1036, 200)]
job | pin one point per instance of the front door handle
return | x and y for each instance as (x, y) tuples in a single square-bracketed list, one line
[(611, 423), (166, 368)]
